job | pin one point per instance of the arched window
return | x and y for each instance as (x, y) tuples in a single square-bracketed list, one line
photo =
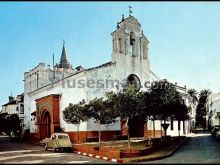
[(132, 43), (114, 45), (133, 80), (120, 45), (132, 38)]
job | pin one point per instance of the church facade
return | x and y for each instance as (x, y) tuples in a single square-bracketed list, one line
[(47, 91)]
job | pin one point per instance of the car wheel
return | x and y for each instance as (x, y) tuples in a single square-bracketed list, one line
[(62, 149), (70, 149)]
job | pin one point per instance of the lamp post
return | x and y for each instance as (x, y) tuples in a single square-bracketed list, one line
[(99, 129)]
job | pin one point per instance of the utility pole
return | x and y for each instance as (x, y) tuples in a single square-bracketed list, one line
[(53, 68)]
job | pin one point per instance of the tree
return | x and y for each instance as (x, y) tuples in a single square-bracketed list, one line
[(193, 94), (9, 122), (127, 103), (102, 112), (163, 96), (14, 122), (4, 122), (74, 114), (180, 113), (201, 107), (151, 108)]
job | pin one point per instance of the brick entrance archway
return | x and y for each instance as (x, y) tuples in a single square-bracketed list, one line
[(48, 115), (45, 130)]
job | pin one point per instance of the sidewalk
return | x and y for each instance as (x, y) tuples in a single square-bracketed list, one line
[(163, 153), (156, 155)]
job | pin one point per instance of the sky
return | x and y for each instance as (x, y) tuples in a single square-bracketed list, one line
[(184, 38)]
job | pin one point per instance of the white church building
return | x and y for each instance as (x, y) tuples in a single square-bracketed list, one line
[(48, 91)]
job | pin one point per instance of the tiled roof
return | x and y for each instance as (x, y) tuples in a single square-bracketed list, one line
[(103, 65), (10, 103)]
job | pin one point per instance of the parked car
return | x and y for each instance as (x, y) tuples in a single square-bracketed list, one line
[(215, 129), (3, 134), (58, 141), (217, 134), (14, 135)]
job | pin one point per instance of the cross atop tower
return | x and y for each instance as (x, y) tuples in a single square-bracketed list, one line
[(130, 11)]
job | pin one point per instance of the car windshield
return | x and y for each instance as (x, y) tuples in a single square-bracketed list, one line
[(62, 137)]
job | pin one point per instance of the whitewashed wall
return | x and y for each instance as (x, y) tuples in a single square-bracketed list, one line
[(173, 132), (215, 108), (10, 109), (123, 64)]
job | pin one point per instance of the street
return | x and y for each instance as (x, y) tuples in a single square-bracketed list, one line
[(202, 148), (20, 152)]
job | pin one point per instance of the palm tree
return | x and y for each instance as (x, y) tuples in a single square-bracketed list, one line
[(204, 93), (201, 107), (193, 94)]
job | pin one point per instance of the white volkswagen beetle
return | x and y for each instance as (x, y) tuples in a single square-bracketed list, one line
[(58, 141)]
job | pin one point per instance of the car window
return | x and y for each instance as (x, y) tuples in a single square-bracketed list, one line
[(53, 137), (62, 137)]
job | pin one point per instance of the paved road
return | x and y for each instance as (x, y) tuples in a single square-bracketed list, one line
[(20, 152), (202, 148)]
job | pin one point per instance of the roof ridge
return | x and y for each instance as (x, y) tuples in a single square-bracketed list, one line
[(99, 66)]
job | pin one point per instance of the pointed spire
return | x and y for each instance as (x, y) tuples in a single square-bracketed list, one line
[(63, 60), (63, 55)]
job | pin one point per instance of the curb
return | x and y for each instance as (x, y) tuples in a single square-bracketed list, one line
[(160, 157), (131, 161), (99, 157)]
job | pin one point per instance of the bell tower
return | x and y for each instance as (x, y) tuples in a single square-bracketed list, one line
[(129, 44)]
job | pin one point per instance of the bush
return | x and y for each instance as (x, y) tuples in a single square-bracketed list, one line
[(166, 138), (156, 142)]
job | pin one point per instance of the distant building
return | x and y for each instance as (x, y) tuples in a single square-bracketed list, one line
[(15, 106), (213, 110)]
